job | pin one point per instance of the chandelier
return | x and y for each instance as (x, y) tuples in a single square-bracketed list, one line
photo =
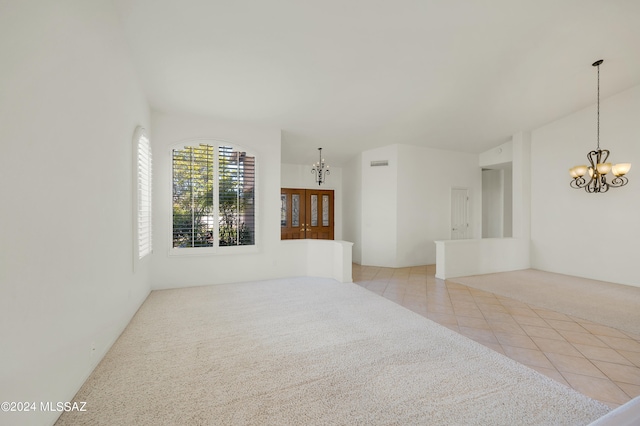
[(320, 169), (599, 167)]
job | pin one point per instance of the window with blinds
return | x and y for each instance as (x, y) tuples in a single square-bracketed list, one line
[(213, 197), (144, 195)]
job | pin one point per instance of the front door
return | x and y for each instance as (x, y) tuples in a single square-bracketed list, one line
[(306, 213)]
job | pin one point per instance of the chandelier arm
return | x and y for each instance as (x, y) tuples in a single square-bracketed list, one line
[(590, 157), (578, 183), (593, 182), (619, 181)]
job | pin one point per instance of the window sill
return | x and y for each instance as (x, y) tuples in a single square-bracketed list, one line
[(212, 251)]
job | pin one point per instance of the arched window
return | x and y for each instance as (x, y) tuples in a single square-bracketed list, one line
[(213, 196)]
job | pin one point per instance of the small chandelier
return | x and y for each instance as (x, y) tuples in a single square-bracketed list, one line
[(599, 168), (320, 169)]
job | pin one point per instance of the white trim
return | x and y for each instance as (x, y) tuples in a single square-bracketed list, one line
[(211, 251)]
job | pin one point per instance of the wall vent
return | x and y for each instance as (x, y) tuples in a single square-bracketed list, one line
[(379, 163)]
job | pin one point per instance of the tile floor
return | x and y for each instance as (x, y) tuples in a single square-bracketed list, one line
[(596, 360)]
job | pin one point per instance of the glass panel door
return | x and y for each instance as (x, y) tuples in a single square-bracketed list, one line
[(314, 210), (295, 210), (292, 214), (325, 210), (283, 209)]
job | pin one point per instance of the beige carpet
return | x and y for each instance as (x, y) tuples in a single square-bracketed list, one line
[(615, 305), (307, 352)]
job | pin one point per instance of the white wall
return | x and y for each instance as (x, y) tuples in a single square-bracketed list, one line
[(352, 205), (507, 186), (460, 258), (493, 203), (507, 198), (497, 202), (521, 185), (69, 105), (588, 235), (498, 156), (326, 258), (425, 179), (379, 197), (300, 176), (502, 166), (406, 205)]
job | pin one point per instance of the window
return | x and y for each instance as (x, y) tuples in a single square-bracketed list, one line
[(143, 192), (213, 197)]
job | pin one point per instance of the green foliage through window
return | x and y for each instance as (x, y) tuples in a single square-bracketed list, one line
[(198, 221)]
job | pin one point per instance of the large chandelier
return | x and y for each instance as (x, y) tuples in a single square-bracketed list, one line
[(599, 167), (320, 169)]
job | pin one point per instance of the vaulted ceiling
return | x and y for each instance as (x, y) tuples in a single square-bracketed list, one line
[(348, 75)]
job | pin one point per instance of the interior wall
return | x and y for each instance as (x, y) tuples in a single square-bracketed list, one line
[(521, 186), (425, 179), (497, 157), (267, 260), (406, 206), (497, 202), (499, 194), (70, 102), (507, 195), (379, 197), (595, 236), (300, 176), (352, 205), (493, 203)]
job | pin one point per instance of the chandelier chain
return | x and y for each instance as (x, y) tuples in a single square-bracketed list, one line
[(598, 134)]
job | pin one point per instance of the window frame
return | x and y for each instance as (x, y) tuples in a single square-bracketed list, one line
[(138, 254), (215, 249)]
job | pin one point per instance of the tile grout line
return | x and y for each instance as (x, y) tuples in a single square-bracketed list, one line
[(405, 281), (573, 346)]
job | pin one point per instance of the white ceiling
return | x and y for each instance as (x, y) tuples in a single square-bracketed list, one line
[(348, 75)]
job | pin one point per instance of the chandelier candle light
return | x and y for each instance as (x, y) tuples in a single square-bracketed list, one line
[(599, 168), (320, 169)]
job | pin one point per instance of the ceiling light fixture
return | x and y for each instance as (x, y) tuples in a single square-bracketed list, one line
[(320, 169), (599, 167)]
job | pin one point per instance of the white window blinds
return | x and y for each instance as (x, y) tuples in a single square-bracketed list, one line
[(202, 219), (144, 195), (236, 187)]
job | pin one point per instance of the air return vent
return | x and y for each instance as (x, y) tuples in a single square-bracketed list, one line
[(379, 163)]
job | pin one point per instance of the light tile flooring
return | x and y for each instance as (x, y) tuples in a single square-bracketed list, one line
[(596, 360)]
